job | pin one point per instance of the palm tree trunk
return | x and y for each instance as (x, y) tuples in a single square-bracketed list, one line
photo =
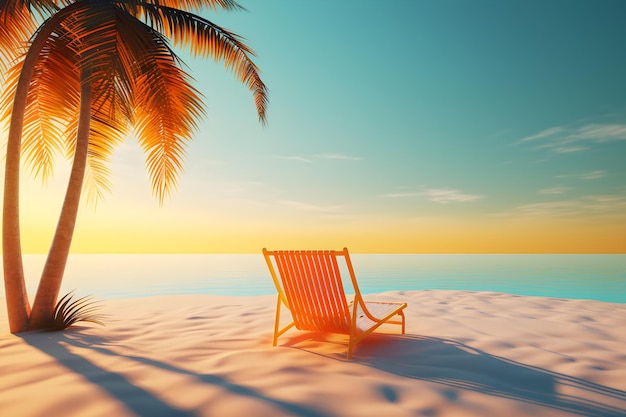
[(18, 307), (52, 276)]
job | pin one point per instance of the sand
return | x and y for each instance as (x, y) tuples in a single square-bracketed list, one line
[(464, 354)]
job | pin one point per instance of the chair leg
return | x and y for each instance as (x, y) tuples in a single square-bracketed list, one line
[(276, 322)]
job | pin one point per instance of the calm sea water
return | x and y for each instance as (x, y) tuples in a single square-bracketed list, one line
[(596, 277)]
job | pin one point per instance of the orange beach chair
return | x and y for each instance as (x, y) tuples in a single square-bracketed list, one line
[(310, 287)]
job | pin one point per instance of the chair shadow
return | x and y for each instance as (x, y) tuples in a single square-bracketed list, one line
[(458, 366), (136, 399), (449, 363)]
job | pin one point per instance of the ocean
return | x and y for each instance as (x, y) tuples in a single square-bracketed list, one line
[(594, 277)]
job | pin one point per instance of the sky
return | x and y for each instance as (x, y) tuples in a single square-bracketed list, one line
[(404, 126)]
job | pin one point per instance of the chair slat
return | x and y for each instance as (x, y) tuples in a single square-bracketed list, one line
[(314, 290)]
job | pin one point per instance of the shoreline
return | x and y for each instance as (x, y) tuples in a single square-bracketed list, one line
[(464, 353)]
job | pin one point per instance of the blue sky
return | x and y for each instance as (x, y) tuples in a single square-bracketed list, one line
[(397, 126)]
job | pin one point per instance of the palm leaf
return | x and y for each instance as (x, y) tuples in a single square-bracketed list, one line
[(167, 114), (50, 95), (111, 84), (17, 24), (69, 311), (206, 39), (133, 6)]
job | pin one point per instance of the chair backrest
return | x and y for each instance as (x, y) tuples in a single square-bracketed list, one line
[(311, 287)]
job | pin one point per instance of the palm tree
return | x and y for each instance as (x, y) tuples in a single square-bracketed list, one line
[(18, 19), (119, 59)]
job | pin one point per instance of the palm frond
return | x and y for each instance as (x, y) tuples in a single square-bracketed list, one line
[(110, 123), (106, 133), (53, 97), (19, 19), (93, 34), (9, 86), (166, 107), (133, 6), (17, 24), (204, 38), (52, 94), (38, 8), (228, 5), (168, 110), (69, 311)]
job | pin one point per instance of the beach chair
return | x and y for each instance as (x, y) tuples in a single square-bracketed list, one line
[(310, 287)]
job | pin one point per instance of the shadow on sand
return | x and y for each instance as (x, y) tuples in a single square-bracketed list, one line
[(452, 365), (456, 366), (136, 399)]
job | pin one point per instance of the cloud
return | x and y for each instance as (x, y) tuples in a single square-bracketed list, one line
[(401, 195), (299, 205), (555, 208), (322, 156), (338, 156), (294, 158), (567, 140), (554, 190), (606, 203), (543, 134), (569, 149), (445, 196), (600, 132), (593, 175), (590, 176), (437, 195), (597, 205)]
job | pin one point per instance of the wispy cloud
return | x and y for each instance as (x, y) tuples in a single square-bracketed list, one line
[(338, 156), (596, 205), (600, 132), (299, 205), (446, 195), (402, 195), (307, 159), (590, 175), (569, 149), (543, 134), (295, 158), (593, 175), (437, 195), (554, 190), (567, 140), (554, 208)]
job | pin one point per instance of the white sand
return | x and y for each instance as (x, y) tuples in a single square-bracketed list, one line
[(464, 354)]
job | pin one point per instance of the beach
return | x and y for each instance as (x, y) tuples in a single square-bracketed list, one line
[(464, 354)]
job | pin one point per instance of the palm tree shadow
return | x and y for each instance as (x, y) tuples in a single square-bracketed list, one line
[(136, 399), (451, 364), (459, 366)]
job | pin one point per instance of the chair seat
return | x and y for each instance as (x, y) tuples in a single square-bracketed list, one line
[(377, 309)]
